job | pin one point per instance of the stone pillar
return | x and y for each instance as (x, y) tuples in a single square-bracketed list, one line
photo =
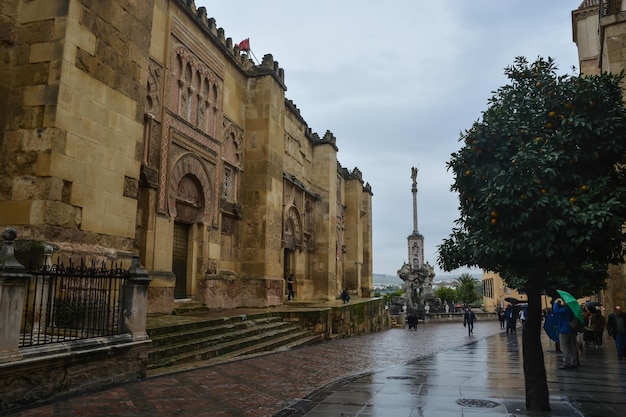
[(135, 301), (13, 278)]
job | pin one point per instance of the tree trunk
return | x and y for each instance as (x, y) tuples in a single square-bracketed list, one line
[(535, 381)]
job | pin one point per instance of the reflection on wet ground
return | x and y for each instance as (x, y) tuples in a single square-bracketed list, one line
[(482, 378)]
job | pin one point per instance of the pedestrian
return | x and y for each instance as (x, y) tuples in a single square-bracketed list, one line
[(501, 317), (511, 319), (567, 335), (468, 321), (588, 336), (290, 292), (412, 321), (345, 296), (616, 327), (522, 316), (598, 323)]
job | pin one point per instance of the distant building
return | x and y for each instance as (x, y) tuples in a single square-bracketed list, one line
[(495, 292)]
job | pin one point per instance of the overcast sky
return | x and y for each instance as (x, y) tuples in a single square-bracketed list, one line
[(396, 82)]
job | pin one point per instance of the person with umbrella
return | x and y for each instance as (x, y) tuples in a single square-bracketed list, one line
[(567, 335), (511, 318), (616, 327)]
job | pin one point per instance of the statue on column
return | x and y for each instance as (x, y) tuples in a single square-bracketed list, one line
[(417, 274)]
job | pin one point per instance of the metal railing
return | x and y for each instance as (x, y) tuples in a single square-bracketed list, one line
[(63, 303)]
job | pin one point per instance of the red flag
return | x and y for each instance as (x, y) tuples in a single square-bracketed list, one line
[(244, 45)]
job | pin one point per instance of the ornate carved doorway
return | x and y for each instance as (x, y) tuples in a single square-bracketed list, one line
[(179, 258), (189, 203)]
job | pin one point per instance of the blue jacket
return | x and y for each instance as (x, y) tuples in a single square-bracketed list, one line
[(564, 315)]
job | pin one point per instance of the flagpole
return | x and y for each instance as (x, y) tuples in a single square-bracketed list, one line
[(253, 56)]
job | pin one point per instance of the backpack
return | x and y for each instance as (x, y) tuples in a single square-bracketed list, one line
[(576, 325)]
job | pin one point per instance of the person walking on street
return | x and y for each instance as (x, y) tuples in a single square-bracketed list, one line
[(290, 293), (511, 319), (567, 336), (522, 316), (501, 317), (616, 327), (598, 323), (468, 321)]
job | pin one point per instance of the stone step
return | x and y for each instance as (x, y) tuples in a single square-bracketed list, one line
[(280, 344), (196, 342), (183, 335), (217, 342), (189, 307), (167, 324)]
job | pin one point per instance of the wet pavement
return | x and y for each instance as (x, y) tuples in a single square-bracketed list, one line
[(437, 370)]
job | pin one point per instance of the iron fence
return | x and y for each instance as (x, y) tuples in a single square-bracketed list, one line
[(63, 303)]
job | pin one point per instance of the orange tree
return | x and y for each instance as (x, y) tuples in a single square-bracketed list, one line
[(542, 196)]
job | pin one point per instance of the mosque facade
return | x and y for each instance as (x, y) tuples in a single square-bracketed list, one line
[(140, 128)]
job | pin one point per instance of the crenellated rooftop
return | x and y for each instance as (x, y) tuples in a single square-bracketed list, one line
[(588, 3), (355, 174), (267, 67)]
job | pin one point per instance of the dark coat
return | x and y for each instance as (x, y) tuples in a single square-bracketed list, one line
[(469, 317), (611, 324)]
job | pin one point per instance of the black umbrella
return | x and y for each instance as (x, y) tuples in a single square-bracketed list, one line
[(512, 300), (591, 305)]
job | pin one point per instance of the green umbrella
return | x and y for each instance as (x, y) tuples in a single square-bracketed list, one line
[(572, 303)]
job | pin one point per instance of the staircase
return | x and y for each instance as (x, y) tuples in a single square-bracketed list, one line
[(190, 340)]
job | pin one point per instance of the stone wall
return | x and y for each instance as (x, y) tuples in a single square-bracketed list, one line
[(343, 320), (46, 373), (225, 291)]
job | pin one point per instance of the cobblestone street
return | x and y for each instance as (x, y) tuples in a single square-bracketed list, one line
[(264, 385)]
